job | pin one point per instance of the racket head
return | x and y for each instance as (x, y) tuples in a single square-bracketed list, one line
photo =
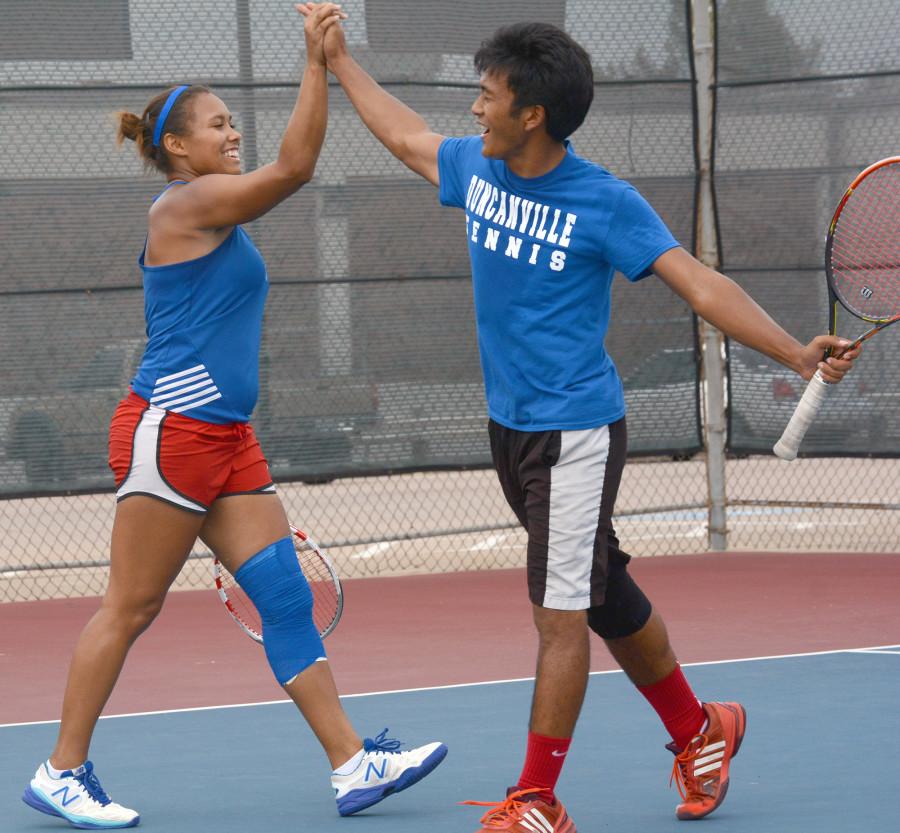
[(328, 595), (236, 601), (324, 583), (862, 248)]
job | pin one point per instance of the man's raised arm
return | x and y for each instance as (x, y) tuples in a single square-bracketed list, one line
[(401, 130)]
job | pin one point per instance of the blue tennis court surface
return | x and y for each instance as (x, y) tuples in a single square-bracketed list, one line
[(820, 756)]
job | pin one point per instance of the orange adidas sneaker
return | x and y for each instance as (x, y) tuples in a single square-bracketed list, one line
[(523, 814), (701, 768)]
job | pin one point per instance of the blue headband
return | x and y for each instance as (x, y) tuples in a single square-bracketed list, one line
[(164, 113)]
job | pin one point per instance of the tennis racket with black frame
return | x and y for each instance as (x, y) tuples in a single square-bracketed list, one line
[(328, 597), (862, 267)]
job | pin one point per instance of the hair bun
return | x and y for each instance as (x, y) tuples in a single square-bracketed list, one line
[(130, 126)]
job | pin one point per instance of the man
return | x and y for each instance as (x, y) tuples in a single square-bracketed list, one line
[(546, 232)]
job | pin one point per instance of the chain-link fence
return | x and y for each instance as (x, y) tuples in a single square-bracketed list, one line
[(805, 100), (371, 410)]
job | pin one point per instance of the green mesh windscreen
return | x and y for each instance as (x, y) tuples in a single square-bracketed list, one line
[(370, 362)]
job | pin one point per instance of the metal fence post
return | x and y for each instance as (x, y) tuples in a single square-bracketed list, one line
[(704, 52), (245, 76)]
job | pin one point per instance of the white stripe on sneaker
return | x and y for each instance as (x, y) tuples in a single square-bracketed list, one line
[(704, 769), (714, 752), (530, 825), (543, 824), (709, 758)]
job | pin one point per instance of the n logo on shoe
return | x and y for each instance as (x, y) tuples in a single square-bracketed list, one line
[(65, 800), (372, 768)]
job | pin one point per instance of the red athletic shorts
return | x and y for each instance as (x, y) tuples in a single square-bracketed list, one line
[(180, 460)]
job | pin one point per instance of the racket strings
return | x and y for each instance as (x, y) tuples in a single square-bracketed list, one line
[(322, 583), (239, 602), (865, 253)]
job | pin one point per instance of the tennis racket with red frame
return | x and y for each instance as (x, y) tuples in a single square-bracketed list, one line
[(862, 266), (328, 597)]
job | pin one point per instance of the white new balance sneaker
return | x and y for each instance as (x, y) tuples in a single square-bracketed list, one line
[(384, 770), (77, 797)]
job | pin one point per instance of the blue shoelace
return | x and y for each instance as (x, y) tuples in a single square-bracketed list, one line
[(381, 743), (91, 784)]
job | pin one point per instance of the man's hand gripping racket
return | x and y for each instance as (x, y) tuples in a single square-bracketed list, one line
[(328, 598), (862, 266)]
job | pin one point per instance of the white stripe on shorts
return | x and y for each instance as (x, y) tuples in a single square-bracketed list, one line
[(144, 476), (576, 488)]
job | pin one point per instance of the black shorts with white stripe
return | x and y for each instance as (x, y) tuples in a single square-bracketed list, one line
[(562, 485)]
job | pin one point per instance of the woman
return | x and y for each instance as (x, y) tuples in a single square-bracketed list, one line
[(186, 461)]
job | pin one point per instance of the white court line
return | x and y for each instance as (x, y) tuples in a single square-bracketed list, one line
[(371, 552), (689, 515), (875, 649), (489, 543)]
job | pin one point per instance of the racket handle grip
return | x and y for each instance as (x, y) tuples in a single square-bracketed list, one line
[(807, 408)]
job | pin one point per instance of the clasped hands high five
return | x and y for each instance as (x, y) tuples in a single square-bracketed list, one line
[(323, 32)]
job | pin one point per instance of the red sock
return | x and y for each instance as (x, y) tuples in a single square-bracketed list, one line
[(543, 764), (677, 706)]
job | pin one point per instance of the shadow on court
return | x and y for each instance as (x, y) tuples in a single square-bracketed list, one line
[(819, 755)]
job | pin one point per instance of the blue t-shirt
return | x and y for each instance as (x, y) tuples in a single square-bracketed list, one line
[(544, 252), (204, 325)]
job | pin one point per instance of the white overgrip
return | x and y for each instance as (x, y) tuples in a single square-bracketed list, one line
[(807, 408)]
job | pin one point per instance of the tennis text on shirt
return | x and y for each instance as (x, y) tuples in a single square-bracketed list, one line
[(543, 252), (515, 218)]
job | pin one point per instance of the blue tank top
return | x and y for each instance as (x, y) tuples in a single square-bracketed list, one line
[(204, 323)]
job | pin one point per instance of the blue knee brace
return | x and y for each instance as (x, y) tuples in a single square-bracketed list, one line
[(277, 587)]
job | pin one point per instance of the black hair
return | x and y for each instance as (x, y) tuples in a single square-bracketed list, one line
[(543, 65)]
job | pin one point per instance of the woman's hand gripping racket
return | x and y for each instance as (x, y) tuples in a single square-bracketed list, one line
[(862, 265), (328, 598)]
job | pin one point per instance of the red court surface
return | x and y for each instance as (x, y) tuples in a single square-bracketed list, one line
[(416, 631)]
